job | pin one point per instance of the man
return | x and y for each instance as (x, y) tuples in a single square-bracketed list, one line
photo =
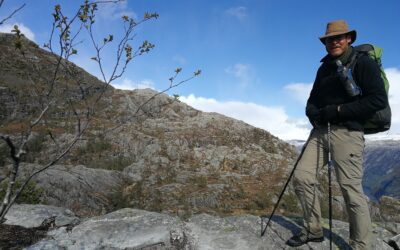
[(329, 102)]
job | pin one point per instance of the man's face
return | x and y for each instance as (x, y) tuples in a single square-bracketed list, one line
[(337, 45)]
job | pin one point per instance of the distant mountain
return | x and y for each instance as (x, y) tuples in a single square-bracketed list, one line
[(382, 169)]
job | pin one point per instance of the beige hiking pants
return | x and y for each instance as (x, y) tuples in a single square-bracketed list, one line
[(347, 154)]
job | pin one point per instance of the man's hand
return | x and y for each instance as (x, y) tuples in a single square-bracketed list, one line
[(313, 114), (329, 114)]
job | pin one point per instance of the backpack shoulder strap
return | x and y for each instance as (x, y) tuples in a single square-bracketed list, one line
[(359, 51)]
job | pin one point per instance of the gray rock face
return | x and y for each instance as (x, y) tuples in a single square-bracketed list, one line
[(139, 229), (33, 215), (81, 189), (123, 229)]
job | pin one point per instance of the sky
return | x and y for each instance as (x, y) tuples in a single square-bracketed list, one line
[(258, 57)]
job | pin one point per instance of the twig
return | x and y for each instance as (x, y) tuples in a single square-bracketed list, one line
[(12, 14)]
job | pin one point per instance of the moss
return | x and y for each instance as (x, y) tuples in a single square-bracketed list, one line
[(30, 195)]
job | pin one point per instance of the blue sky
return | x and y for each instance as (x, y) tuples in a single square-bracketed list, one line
[(258, 57)]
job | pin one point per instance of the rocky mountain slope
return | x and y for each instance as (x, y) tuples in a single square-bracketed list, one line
[(166, 157)]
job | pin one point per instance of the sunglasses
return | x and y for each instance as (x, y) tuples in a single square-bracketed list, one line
[(337, 38)]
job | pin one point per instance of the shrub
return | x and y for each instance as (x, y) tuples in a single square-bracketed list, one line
[(4, 151), (200, 181), (263, 200), (114, 163), (290, 204), (30, 195)]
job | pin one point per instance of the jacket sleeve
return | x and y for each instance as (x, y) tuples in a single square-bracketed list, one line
[(312, 107), (373, 98)]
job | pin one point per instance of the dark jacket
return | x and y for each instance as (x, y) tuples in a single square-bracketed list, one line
[(328, 89)]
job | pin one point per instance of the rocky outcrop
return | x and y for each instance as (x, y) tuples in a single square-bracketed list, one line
[(86, 191), (138, 229), (168, 155)]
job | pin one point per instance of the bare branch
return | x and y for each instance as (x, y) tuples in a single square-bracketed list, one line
[(12, 13), (171, 86)]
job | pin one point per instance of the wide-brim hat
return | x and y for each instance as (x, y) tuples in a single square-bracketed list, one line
[(337, 28)]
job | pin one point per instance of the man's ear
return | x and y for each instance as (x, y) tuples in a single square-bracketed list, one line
[(348, 39)]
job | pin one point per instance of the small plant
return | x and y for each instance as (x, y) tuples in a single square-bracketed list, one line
[(263, 200), (290, 204), (117, 163), (156, 203), (96, 145), (30, 195), (4, 151), (200, 181)]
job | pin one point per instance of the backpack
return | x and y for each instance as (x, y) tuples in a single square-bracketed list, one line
[(381, 120)]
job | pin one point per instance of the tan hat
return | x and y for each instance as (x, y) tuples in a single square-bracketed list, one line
[(336, 28)]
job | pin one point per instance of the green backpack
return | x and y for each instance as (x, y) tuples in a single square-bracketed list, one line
[(381, 120)]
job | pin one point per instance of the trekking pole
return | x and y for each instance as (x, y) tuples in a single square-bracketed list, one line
[(263, 230), (330, 166)]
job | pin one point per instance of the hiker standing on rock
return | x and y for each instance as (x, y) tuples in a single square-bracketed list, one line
[(330, 102)]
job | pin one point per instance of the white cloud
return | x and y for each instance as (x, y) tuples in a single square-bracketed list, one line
[(276, 121), (243, 72), (393, 75), (239, 12), (273, 119), (6, 28), (128, 84), (115, 11), (299, 91)]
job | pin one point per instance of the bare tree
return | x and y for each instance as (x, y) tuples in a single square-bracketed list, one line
[(2, 21), (62, 75)]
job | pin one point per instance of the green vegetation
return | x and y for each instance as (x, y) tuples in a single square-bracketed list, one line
[(290, 204), (4, 152), (263, 200), (156, 203), (389, 207), (96, 154), (128, 195), (94, 145), (30, 195), (114, 163)]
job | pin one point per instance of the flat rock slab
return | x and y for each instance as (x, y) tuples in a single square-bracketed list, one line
[(138, 229), (33, 215)]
